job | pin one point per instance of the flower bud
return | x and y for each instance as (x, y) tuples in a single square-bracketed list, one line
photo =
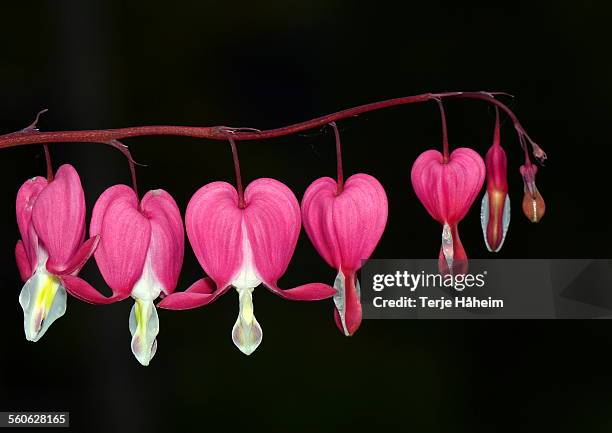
[(495, 207), (533, 203)]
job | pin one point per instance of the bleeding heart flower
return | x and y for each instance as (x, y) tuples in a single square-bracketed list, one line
[(243, 247), (495, 207), (344, 225), (51, 220), (533, 203), (447, 189), (140, 255)]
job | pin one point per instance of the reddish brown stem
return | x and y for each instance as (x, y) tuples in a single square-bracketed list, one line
[(222, 133), (126, 152), (496, 131), (444, 131), (241, 202), (48, 161), (338, 158)]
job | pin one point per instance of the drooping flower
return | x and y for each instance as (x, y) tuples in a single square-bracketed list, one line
[(495, 207), (243, 246), (51, 220), (533, 203), (345, 227), (140, 254), (447, 189)]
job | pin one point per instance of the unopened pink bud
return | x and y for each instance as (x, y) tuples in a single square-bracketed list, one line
[(495, 207), (533, 203)]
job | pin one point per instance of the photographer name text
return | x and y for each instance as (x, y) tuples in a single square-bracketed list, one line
[(440, 303)]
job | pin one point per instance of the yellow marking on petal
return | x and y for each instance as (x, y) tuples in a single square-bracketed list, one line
[(47, 292), (247, 312), (141, 323)]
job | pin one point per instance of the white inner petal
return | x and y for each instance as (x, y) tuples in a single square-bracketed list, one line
[(505, 220), (144, 322), (484, 218), (148, 286), (447, 246), (246, 277), (247, 333), (144, 327), (43, 300), (340, 300)]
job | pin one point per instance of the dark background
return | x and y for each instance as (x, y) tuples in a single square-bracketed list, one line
[(267, 64)]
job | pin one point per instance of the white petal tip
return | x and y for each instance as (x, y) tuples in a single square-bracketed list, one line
[(340, 301), (43, 300), (447, 246), (144, 327), (246, 333)]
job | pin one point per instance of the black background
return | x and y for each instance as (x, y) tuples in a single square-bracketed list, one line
[(268, 64)]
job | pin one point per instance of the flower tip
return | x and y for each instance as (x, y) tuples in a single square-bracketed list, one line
[(144, 358), (43, 300), (144, 327), (539, 153), (452, 259), (347, 302), (348, 328), (247, 333), (247, 350)]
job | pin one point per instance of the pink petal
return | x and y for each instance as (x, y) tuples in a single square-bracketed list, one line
[(81, 289), (497, 168), (200, 293), (26, 197), (345, 228), (167, 237), (306, 292), (124, 238), (272, 220), (77, 261), (213, 221), (360, 216), (23, 264), (447, 190), (59, 216), (317, 213)]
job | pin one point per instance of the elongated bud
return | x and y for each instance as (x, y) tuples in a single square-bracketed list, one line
[(495, 207), (533, 203)]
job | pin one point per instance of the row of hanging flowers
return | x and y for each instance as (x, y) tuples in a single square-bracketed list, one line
[(242, 238)]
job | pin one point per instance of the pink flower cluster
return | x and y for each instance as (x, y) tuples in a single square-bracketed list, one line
[(138, 246), (241, 240)]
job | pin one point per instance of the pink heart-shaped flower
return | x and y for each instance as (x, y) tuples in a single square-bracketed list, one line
[(140, 254), (243, 247), (344, 229), (51, 220), (447, 190)]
